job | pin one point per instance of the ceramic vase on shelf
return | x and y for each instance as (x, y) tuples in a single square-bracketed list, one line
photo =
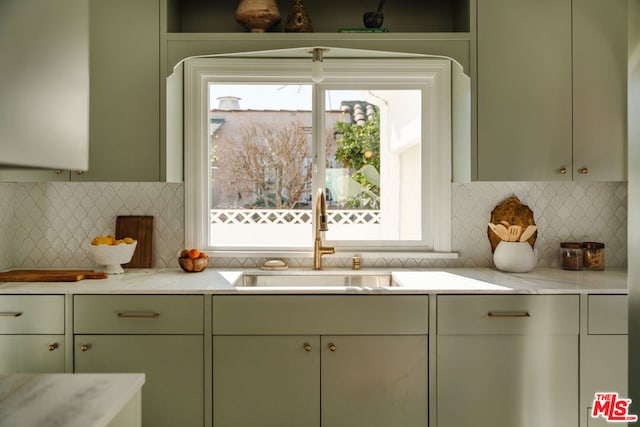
[(514, 257), (258, 15), (298, 20)]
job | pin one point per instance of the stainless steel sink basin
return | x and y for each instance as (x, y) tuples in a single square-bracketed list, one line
[(313, 279)]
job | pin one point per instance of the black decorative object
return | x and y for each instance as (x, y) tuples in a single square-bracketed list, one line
[(374, 19)]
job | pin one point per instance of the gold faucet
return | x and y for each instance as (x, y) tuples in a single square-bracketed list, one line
[(320, 216)]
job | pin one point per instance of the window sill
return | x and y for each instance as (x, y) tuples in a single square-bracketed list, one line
[(338, 255)]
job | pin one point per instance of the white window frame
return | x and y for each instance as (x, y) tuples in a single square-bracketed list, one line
[(433, 75)]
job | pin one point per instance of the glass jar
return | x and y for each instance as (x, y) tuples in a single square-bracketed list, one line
[(571, 256), (593, 253)]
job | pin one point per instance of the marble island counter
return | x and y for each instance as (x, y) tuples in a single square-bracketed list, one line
[(70, 400), (424, 281)]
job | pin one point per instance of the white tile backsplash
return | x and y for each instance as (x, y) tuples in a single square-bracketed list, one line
[(51, 224)]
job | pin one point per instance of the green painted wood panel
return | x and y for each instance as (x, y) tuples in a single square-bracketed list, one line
[(600, 89), (136, 314), (31, 354), (524, 97), (375, 381), (320, 314), (124, 135), (508, 314), (608, 314), (173, 393), (31, 314), (507, 381), (604, 368), (267, 381)]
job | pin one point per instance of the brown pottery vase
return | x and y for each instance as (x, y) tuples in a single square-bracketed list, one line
[(258, 15)]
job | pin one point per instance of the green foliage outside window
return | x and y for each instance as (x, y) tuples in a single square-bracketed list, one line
[(358, 148)]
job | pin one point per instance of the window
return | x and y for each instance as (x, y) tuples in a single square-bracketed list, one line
[(261, 137)]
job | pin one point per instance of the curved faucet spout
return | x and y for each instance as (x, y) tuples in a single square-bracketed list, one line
[(320, 218)]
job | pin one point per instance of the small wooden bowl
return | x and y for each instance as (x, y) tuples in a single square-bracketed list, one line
[(193, 265)]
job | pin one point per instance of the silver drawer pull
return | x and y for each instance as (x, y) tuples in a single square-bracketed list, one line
[(11, 314), (137, 315), (508, 314)]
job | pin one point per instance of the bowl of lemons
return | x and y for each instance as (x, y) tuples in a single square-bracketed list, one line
[(112, 252)]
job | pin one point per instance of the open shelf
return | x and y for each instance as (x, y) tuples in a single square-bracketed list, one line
[(328, 16)]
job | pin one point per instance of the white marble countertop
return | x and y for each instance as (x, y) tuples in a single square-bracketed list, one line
[(413, 281), (70, 400)]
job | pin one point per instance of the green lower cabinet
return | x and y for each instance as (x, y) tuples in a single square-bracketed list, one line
[(507, 381), (605, 369), (375, 381), (313, 381), (173, 393), (266, 381), (31, 353)]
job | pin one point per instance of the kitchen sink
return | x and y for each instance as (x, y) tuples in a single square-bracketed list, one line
[(316, 279)]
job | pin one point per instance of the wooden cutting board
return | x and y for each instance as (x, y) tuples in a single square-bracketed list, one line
[(140, 228), (50, 275)]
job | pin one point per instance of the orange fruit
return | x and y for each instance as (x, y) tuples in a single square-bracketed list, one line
[(203, 255), (194, 253)]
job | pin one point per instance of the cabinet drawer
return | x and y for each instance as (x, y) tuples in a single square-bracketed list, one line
[(32, 314), (320, 314), (508, 314), (608, 314), (138, 314)]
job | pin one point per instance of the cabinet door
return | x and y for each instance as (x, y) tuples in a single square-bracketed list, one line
[(507, 381), (370, 381), (125, 92), (267, 381), (31, 353), (524, 90), (604, 369), (600, 89), (44, 82), (173, 393)]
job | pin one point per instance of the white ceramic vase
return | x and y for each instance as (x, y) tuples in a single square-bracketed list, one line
[(514, 257)]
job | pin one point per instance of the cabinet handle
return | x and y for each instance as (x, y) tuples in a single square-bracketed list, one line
[(11, 314), (332, 347), (563, 171), (79, 172), (58, 172), (508, 314), (137, 315), (53, 346), (84, 347), (584, 171), (307, 347)]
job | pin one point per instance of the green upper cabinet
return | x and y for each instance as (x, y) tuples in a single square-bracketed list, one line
[(551, 90), (524, 89), (124, 135), (124, 96), (599, 90), (44, 82)]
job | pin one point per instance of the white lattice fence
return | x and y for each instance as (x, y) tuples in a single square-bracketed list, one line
[(291, 216)]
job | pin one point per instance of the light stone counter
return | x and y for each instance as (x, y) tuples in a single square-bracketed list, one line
[(70, 400), (427, 281)]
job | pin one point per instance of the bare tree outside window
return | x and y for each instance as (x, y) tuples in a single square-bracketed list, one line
[(266, 167)]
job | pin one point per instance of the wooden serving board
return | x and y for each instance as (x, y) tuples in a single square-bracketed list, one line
[(514, 212), (50, 275), (140, 228)]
